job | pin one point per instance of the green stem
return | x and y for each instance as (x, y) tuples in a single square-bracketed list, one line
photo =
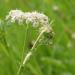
[(27, 57), (19, 70), (31, 51)]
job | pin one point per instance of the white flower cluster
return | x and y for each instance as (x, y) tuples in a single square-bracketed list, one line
[(35, 18), (29, 17)]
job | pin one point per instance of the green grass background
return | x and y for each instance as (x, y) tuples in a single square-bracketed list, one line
[(55, 59)]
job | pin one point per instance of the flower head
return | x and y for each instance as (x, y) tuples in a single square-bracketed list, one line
[(35, 18), (29, 17)]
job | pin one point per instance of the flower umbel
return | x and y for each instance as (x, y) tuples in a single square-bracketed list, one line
[(35, 18), (29, 17)]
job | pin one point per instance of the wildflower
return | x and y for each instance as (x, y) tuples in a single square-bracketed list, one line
[(38, 20)]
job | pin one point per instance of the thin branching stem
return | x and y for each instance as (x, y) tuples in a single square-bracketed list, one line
[(18, 73), (27, 57), (32, 49)]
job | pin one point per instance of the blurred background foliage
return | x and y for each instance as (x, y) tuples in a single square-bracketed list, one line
[(55, 59)]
